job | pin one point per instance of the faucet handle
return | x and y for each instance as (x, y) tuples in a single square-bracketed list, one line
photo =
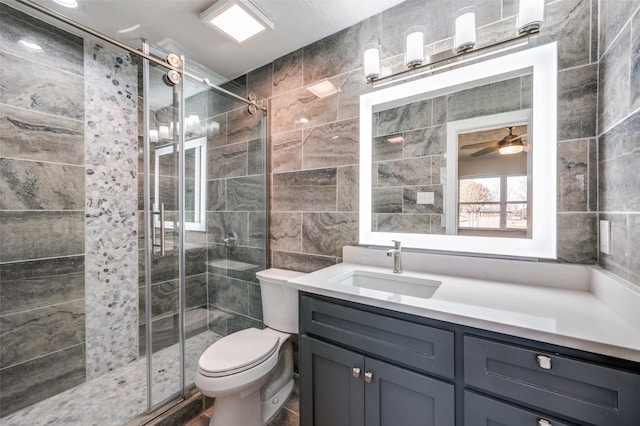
[(396, 244)]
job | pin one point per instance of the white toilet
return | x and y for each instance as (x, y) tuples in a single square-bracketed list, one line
[(250, 372)]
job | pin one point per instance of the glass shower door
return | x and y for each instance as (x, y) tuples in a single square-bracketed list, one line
[(161, 292)]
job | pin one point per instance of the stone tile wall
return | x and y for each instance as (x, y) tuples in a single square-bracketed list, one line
[(619, 134), (314, 185), (42, 196)]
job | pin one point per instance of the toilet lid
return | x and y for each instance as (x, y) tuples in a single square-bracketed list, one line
[(238, 352)]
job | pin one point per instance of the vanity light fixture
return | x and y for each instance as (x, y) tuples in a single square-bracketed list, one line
[(323, 88), (465, 31), (530, 19), (239, 20), (530, 16), (67, 3), (414, 47)]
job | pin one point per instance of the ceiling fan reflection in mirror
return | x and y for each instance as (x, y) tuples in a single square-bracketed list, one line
[(510, 144)]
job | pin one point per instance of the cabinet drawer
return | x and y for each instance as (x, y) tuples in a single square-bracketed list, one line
[(482, 411), (568, 387), (406, 343)]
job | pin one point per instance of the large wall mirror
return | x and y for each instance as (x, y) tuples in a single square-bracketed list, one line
[(464, 160)]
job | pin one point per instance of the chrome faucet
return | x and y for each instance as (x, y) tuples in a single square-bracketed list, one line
[(396, 252)]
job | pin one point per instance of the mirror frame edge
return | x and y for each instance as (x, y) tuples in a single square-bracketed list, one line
[(543, 62)]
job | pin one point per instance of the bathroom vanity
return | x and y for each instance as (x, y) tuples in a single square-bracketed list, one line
[(559, 346)]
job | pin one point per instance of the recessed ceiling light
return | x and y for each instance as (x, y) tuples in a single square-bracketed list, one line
[(29, 45), (67, 3), (239, 19), (323, 88)]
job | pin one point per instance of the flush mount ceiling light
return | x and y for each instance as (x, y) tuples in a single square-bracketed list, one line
[(323, 88), (239, 20)]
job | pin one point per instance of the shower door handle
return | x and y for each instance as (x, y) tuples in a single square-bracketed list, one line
[(153, 230)]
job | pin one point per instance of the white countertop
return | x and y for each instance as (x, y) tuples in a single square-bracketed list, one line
[(577, 306)]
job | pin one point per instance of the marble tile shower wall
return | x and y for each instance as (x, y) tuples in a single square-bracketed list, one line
[(314, 142), (236, 202), (401, 170), (42, 185), (619, 134)]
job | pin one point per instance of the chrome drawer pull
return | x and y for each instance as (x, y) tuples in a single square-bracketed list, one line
[(544, 362), (544, 422), (368, 377), (356, 372)]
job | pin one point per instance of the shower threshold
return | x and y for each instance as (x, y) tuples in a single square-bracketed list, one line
[(118, 396)]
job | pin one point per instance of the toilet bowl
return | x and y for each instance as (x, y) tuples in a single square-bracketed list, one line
[(250, 373)]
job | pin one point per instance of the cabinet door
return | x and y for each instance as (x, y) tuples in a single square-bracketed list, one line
[(395, 396), (331, 391)]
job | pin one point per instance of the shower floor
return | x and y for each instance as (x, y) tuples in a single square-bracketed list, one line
[(118, 396)]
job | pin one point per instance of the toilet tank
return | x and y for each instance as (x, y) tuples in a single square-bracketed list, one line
[(279, 302)]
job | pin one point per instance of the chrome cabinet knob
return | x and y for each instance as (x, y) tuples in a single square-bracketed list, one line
[(356, 372), (544, 422), (368, 377), (544, 362)]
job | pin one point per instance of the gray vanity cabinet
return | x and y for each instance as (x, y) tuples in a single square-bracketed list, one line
[(353, 369), (361, 365)]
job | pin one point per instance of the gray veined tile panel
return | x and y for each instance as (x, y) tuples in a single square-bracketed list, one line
[(39, 88), (257, 160), (318, 177), (431, 141), (31, 135), (386, 200), (340, 52), (577, 102), (216, 195), (577, 238), (39, 283), (31, 185), (55, 372), (300, 261), (383, 150), (327, 233), (229, 294), (244, 262), (351, 86), (413, 116), (217, 135), (573, 175), (485, 100), (333, 144), (285, 231), (287, 151), (614, 83), (634, 249), (260, 82), (60, 49), (415, 171), (568, 22), (404, 223), (246, 193), (40, 234), (49, 329), (619, 164), (289, 110), (635, 61), (257, 229), (242, 126), (287, 72), (614, 15), (228, 161), (348, 189), (255, 302), (304, 198)]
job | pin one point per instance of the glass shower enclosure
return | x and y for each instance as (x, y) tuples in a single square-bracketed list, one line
[(132, 222)]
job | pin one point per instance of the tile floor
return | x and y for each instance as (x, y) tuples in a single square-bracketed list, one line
[(118, 396)]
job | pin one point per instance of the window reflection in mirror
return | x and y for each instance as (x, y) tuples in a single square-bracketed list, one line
[(493, 184)]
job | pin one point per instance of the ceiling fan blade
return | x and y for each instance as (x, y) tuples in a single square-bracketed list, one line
[(484, 151), (478, 145)]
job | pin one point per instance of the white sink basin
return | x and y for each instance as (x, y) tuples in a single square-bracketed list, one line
[(396, 284)]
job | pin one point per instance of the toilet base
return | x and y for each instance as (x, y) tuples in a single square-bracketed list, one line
[(272, 407)]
